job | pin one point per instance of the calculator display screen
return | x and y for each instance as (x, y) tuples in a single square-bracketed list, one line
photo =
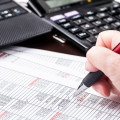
[(58, 3), (50, 6)]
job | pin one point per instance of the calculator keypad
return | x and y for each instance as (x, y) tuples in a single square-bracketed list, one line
[(87, 27), (5, 14)]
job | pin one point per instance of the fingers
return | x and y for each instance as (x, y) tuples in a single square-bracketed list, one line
[(108, 39), (102, 86), (89, 67), (114, 90), (107, 61), (102, 58)]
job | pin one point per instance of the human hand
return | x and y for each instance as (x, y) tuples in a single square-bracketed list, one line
[(101, 57)]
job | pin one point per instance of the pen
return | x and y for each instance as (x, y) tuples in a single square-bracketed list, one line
[(92, 77)]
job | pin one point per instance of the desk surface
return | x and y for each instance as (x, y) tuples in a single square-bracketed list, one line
[(47, 43)]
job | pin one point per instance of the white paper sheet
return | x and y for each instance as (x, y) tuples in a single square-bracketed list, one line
[(74, 65), (32, 91), (39, 69)]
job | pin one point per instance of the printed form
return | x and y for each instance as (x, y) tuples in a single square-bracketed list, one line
[(29, 90), (72, 64)]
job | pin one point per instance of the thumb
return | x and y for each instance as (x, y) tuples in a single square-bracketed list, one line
[(108, 62)]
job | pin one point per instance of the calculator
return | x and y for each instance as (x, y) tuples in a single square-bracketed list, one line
[(79, 21)]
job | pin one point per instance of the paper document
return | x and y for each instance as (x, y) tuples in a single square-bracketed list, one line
[(39, 69), (67, 63), (29, 90)]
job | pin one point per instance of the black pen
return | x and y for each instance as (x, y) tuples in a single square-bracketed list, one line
[(92, 77)]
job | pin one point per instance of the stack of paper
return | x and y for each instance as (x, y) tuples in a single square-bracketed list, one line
[(39, 85)]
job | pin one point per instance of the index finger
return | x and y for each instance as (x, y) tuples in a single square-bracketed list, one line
[(108, 39)]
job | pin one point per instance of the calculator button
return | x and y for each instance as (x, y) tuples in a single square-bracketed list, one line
[(61, 21), (98, 23), (91, 39), (94, 31), (116, 24), (67, 25), (4, 12), (96, 36), (82, 35), (79, 21), (71, 13), (102, 15), (109, 19), (105, 27), (115, 6), (90, 13), (91, 18), (18, 11), (113, 12), (76, 17), (8, 15), (103, 9), (87, 26), (75, 30)]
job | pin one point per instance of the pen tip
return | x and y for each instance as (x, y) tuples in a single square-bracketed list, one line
[(80, 90), (76, 93)]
